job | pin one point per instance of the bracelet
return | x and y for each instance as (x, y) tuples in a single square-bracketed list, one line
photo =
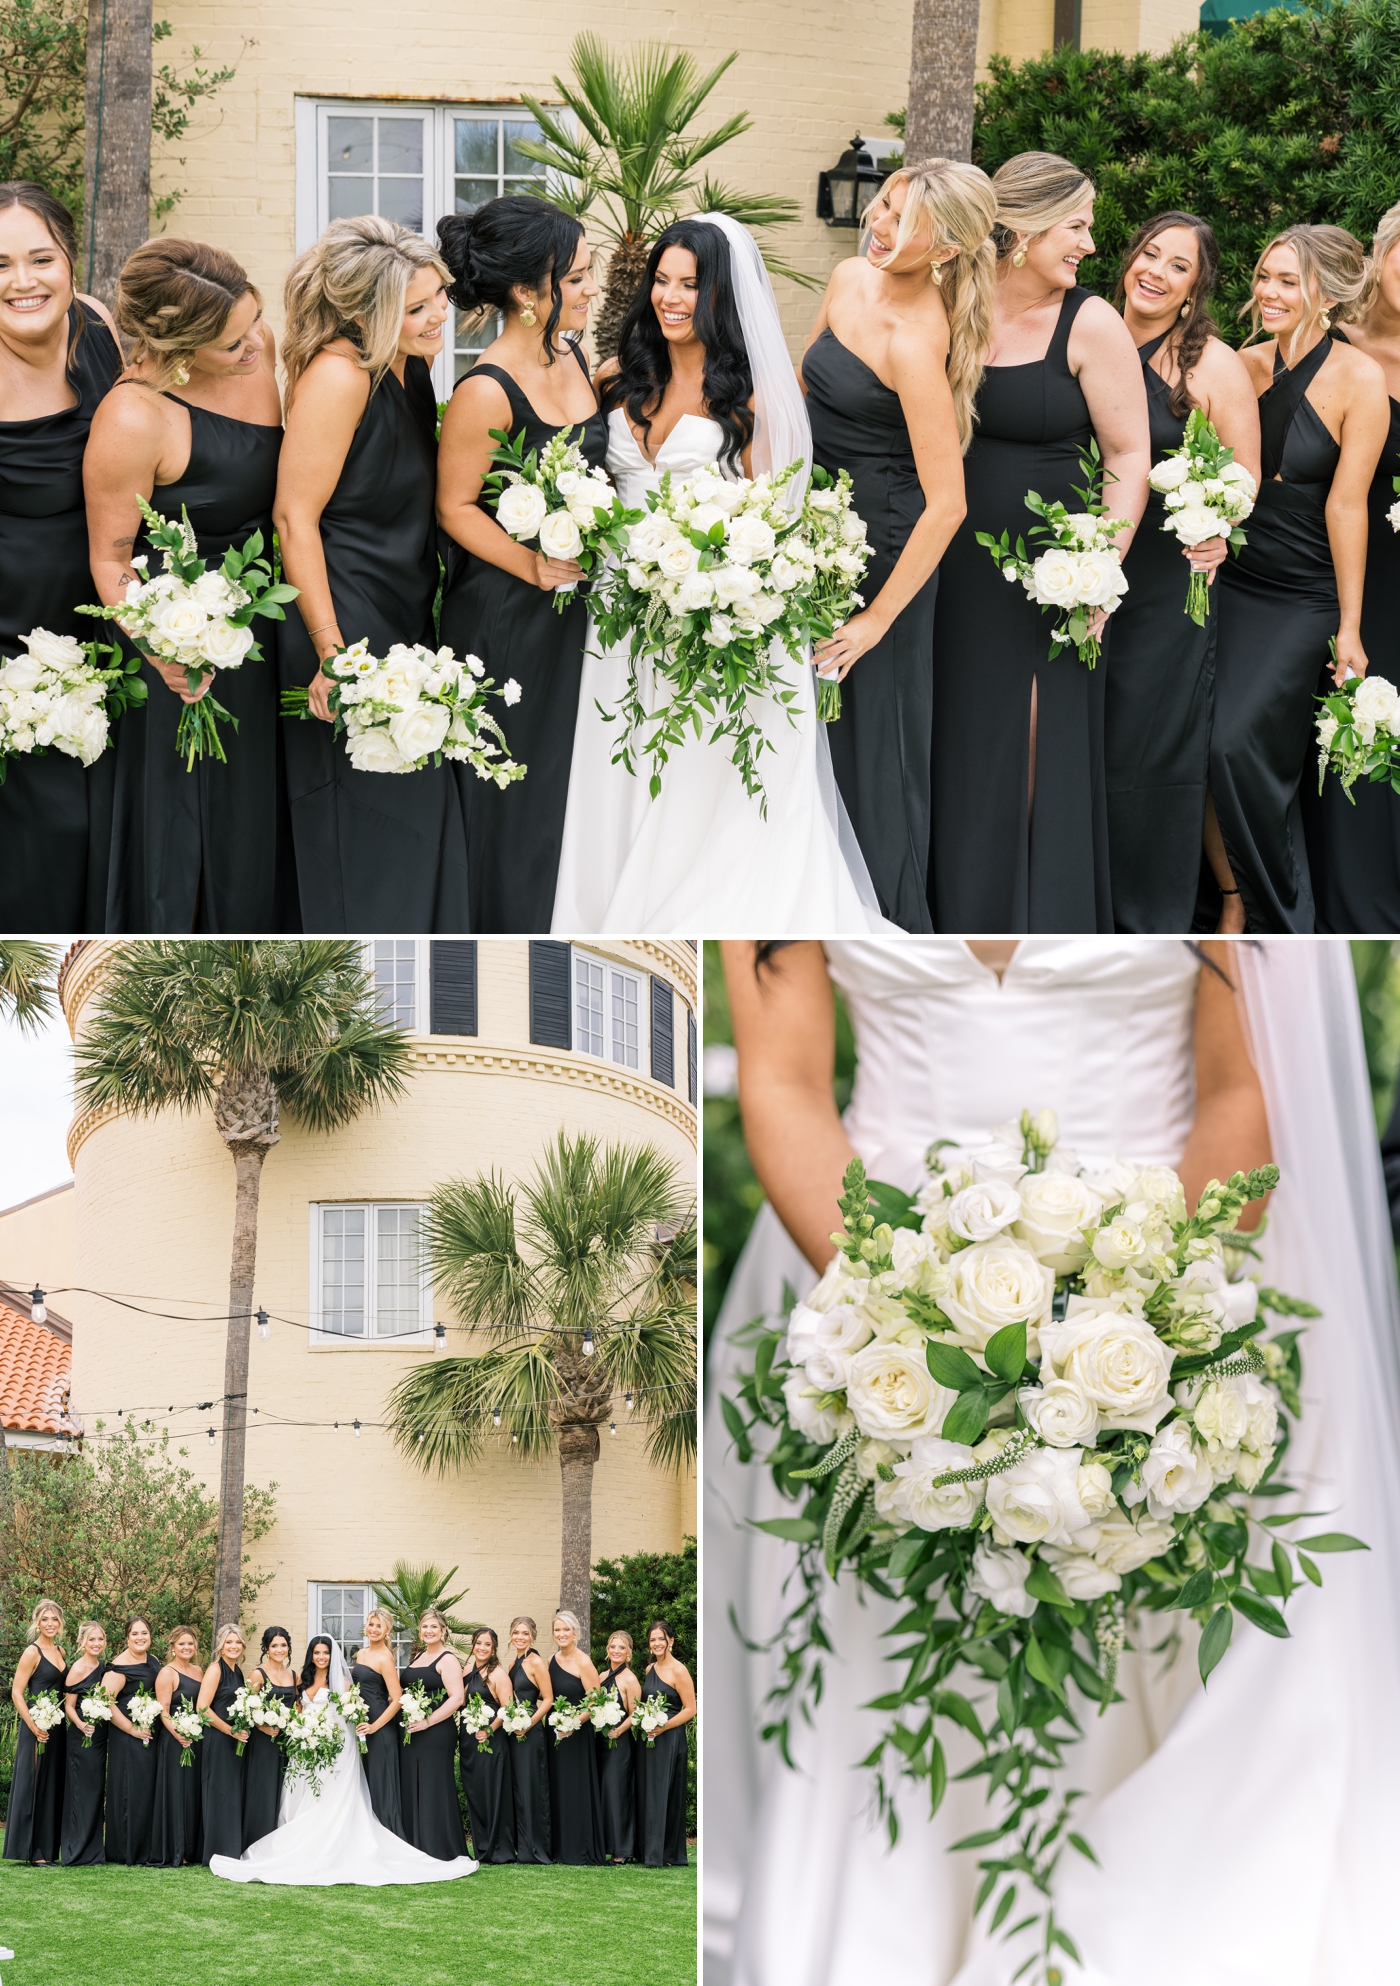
[(321, 630)]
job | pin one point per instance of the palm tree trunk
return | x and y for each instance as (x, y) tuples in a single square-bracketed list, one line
[(117, 145), (942, 63), (625, 272), (578, 1452)]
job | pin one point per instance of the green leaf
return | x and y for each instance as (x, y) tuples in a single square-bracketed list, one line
[(1215, 1641), (739, 1434), (1334, 1541), (1008, 1709), (1196, 1591), (1005, 1352), (907, 1553), (1308, 1569), (1066, 1943), (1261, 1613), (1283, 1571), (938, 1777), (1042, 1583), (1039, 1667), (967, 1417), (951, 1367), (797, 1530), (1004, 1908), (889, 1203), (1078, 1841), (948, 1703)]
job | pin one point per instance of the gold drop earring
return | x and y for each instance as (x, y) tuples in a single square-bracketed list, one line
[(1325, 321), (1018, 260), (527, 316), (182, 375), (1186, 309), (937, 274)]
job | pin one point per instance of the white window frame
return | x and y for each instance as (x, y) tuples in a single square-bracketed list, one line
[(402, 1642), (371, 1341), (422, 982), (611, 968)]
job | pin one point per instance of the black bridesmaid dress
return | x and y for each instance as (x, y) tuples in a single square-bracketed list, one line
[(487, 1782), (381, 1761), (84, 1783), (208, 850), (34, 1826), (661, 1769), (223, 1767), (54, 815), (432, 1816), (175, 1816), (131, 1772), (515, 834), (530, 1777), (264, 1769), (1278, 609), (376, 851), (881, 743), (617, 1766), (1160, 690), (576, 1816), (1354, 851), (994, 864)]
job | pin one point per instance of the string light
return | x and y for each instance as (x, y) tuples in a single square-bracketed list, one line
[(356, 1425), (264, 1325), (587, 1341), (439, 1339), (495, 1417), (212, 1437), (627, 1398), (612, 1427), (37, 1309)]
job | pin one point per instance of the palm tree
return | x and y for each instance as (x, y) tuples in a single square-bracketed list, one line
[(630, 154), (252, 1028), (26, 974), (415, 1588), (942, 63), (586, 1292)]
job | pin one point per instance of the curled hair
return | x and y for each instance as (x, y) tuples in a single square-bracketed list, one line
[(42, 1607), (352, 284), (644, 357), (665, 1629), (174, 1635), (523, 1620), (1188, 336), (1333, 269), (49, 209), (1035, 191), (430, 1614), (516, 242), (570, 1620), (956, 204), (495, 1662), (621, 1634), (270, 1634), (1386, 236), (85, 1629), (308, 1667), (221, 1635), (382, 1614), (174, 296)]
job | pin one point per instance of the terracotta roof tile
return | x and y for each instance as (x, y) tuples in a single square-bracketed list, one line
[(35, 1368)]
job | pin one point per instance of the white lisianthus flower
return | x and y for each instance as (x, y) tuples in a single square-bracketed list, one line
[(522, 509), (676, 558), (1120, 1545), (893, 1395), (1053, 579), (1156, 1186), (510, 691), (839, 1334), (821, 1424), (695, 592), (1096, 1489), (1195, 522), (1061, 1413), (1176, 1475), (1036, 1501), (912, 1495), (375, 751), (569, 482), (1082, 1577), (179, 619), (223, 645), (750, 538), (1082, 528), (1056, 1210), (852, 528), (824, 500), (1171, 474), (23, 673), (720, 632), (735, 585), (560, 537), (999, 1574), (85, 736), (983, 1209), (992, 1284)]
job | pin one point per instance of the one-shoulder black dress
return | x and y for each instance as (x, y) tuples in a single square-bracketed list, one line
[(1160, 690), (84, 1782), (209, 849), (487, 1783), (54, 815), (432, 1817), (381, 1761), (264, 1769), (1278, 609), (131, 1772), (515, 834), (530, 1777), (34, 1824), (994, 864), (881, 743), (376, 851), (616, 1781), (223, 1767), (175, 1816), (576, 1817), (662, 1770)]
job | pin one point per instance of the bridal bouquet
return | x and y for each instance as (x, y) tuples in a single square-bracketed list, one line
[(315, 1734), (1033, 1403), (355, 1711), (476, 1717), (47, 1712), (836, 535), (566, 1717), (1207, 494), (142, 1711), (249, 1709), (1080, 573), (553, 497), (187, 1723), (412, 705), (605, 1708), (94, 1710), (649, 1716), (197, 619), (517, 1717), (1358, 732), (417, 1706), (58, 698)]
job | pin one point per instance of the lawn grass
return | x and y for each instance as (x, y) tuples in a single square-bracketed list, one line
[(511, 1925)]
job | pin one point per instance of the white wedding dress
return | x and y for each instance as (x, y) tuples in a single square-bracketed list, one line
[(1248, 1835), (329, 1835), (701, 856)]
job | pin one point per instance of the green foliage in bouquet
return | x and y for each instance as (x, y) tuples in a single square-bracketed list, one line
[(1357, 726)]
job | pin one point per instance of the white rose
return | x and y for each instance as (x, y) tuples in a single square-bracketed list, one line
[(1376, 700), (1082, 528), (1171, 474), (704, 518), (1176, 1475), (1056, 1209), (1195, 522), (586, 510), (1222, 1415), (375, 751), (1096, 1489), (727, 494), (696, 591), (1082, 1577), (1249, 1468), (179, 620), (852, 528), (510, 691), (1053, 579), (84, 732), (838, 1284), (824, 500), (420, 729), (785, 574), (821, 1424), (1036, 1501), (213, 591), (1156, 1186), (735, 584), (52, 651), (560, 537), (984, 1209), (999, 1574), (1120, 1545), (677, 558), (1102, 581), (646, 537), (1191, 491), (1061, 1413), (912, 1495), (22, 673), (522, 509), (750, 538), (720, 632), (893, 1395), (1116, 1358), (1120, 1245), (992, 1284), (569, 482), (225, 645), (840, 1333), (1235, 472)]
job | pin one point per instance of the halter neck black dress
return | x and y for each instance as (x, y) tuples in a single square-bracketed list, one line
[(993, 865), (381, 1761), (616, 1779), (576, 1819), (264, 1769), (1160, 690), (208, 850), (223, 1766), (376, 851), (881, 743), (530, 1776), (175, 1816), (34, 1825), (131, 1772), (516, 834), (432, 1819), (1278, 609), (84, 1782), (54, 815), (662, 1773), (488, 1784)]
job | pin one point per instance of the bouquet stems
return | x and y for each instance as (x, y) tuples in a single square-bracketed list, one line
[(1198, 598), (828, 698), (197, 735)]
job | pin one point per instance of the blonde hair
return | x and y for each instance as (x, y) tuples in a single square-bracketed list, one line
[(432, 1614), (1331, 263), (570, 1620), (1385, 238), (85, 1629), (382, 1614), (174, 296), (621, 1634), (42, 1607), (957, 204), (523, 1620), (352, 284), (175, 1635), (1035, 192), (216, 1653)]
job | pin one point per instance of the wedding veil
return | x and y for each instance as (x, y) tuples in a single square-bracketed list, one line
[(782, 432)]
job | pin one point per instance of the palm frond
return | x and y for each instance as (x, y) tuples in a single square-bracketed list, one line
[(27, 968), (757, 211), (441, 1414), (469, 1230), (413, 1589)]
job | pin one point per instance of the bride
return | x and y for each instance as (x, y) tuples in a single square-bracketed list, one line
[(328, 1833), (704, 379), (1246, 1836)]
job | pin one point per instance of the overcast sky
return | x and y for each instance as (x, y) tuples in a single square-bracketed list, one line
[(35, 1108)]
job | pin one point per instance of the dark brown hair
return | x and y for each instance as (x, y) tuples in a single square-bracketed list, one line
[(174, 296), (1187, 337), (48, 208), (495, 1662)]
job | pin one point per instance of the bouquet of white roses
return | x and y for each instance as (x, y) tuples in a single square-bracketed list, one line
[(412, 705), (355, 1711), (565, 1717), (605, 1708), (314, 1736), (1031, 1403), (517, 1717), (1207, 494), (1358, 732), (197, 619), (649, 1716), (58, 697), (46, 1710), (94, 1710), (249, 1709), (417, 1706), (188, 1723), (1080, 573), (553, 497), (476, 1717), (836, 535), (142, 1710)]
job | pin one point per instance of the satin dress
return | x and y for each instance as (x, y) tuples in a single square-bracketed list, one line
[(264, 1769), (432, 1817), (34, 1823), (530, 1777), (617, 1765), (576, 1820), (175, 1814), (488, 1782), (663, 1769), (381, 1761), (84, 1783), (223, 1767), (131, 1772)]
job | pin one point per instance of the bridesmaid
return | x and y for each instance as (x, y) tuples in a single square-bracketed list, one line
[(890, 372), (376, 1675), (1020, 833), (486, 1776), (1354, 851), (1324, 418), (85, 1766), (34, 1826), (354, 512), (1160, 687), (662, 1766), (222, 1763), (529, 1678), (575, 1813), (524, 259), (264, 1761), (432, 1816), (58, 356), (616, 1750), (131, 1759), (196, 424), (175, 1818)]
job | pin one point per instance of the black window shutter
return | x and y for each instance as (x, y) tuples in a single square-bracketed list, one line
[(692, 1044), (549, 994), (452, 988), (663, 1022)]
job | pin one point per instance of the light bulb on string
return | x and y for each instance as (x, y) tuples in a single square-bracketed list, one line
[(612, 1427), (588, 1341), (627, 1401), (264, 1325), (37, 1309), (356, 1426), (495, 1417), (439, 1339), (212, 1437)]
